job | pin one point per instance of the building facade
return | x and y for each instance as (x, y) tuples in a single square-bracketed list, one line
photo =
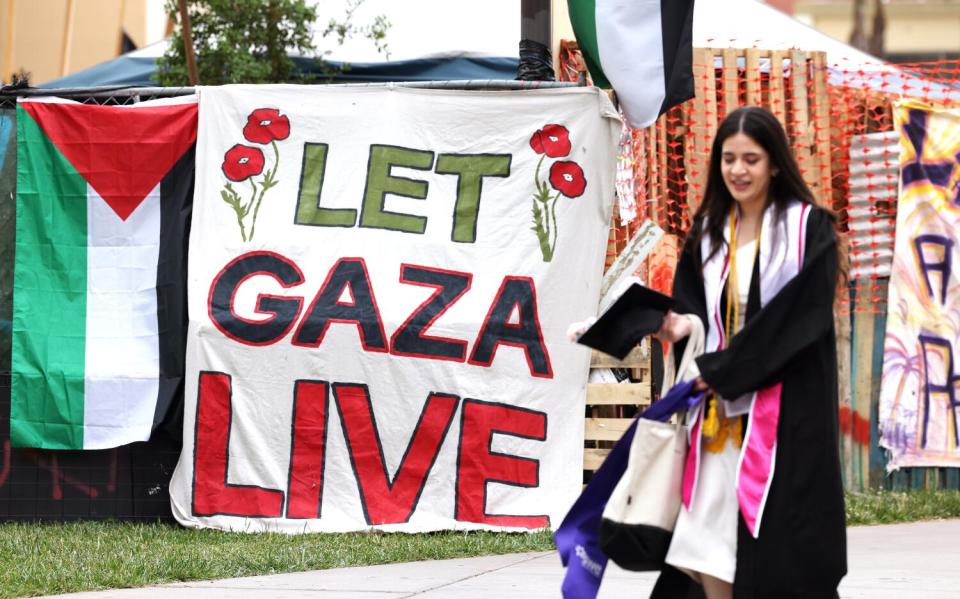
[(53, 38)]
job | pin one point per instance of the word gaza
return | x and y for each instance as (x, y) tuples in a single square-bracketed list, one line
[(385, 499), (516, 295)]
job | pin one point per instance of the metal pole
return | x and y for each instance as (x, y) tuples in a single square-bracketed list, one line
[(66, 47), (535, 40), (123, 20), (188, 43), (535, 21)]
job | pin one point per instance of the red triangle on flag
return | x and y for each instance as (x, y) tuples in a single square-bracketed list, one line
[(122, 152)]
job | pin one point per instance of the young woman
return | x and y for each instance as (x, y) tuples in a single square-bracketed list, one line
[(763, 513)]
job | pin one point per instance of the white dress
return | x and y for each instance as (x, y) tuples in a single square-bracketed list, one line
[(705, 538)]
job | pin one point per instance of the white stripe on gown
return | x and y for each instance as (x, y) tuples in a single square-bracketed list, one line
[(705, 538)]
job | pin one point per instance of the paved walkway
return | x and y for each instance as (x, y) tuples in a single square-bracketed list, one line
[(920, 560)]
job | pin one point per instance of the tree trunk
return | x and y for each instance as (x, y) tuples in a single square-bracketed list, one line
[(878, 34), (858, 36)]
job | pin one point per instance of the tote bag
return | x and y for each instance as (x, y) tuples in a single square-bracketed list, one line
[(638, 520)]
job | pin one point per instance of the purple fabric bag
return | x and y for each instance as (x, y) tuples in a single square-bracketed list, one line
[(578, 536)]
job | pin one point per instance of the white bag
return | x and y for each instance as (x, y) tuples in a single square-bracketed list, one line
[(639, 517)]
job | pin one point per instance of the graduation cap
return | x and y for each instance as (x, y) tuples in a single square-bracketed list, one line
[(638, 312)]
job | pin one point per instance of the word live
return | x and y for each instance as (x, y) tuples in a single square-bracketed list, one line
[(384, 500)]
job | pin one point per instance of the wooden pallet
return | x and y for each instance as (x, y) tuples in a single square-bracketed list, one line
[(792, 84), (610, 407)]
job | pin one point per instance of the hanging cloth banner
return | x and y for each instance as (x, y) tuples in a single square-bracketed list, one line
[(919, 406), (103, 210), (380, 283)]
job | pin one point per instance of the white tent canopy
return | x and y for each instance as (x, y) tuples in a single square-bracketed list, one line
[(754, 24)]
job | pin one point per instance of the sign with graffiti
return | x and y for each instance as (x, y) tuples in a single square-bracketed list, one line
[(380, 283), (919, 404)]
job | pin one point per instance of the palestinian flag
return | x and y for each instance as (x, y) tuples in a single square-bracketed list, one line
[(643, 49), (104, 195)]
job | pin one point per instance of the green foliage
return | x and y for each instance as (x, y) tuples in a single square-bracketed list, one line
[(247, 41), (38, 559), (376, 32), (889, 507)]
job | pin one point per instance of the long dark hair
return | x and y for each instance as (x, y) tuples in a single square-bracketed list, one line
[(762, 127)]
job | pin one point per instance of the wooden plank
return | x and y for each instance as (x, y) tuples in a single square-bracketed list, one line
[(605, 429), (952, 479), (651, 175), (900, 480), (799, 69), (864, 326), (917, 478), (703, 127), (878, 461), (800, 116), (663, 193), (731, 81), (710, 97), (635, 359), (851, 465), (656, 176), (821, 125), (593, 458), (842, 326), (618, 394), (611, 242), (777, 102), (752, 63)]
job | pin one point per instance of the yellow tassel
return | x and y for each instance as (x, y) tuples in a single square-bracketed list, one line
[(711, 424), (715, 431)]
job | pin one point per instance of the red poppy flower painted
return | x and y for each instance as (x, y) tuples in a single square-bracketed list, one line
[(242, 162), (265, 125), (552, 140), (567, 178)]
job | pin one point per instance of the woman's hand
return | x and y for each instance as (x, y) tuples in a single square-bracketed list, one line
[(576, 329), (674, 328)]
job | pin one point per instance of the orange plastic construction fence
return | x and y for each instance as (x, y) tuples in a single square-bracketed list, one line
[(839, 122)]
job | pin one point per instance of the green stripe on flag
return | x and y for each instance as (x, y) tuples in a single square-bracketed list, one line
[(50, 295), (583, 17)]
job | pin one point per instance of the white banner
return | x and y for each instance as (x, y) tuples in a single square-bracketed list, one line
[(919, 411), (380, 282)]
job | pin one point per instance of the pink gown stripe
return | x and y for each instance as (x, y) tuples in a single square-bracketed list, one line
[(691, 468), (758, 456), (800, 236)]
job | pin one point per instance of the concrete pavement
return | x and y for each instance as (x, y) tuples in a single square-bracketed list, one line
[(902, 561)]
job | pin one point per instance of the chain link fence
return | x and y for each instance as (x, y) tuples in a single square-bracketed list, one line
[(127, 483)]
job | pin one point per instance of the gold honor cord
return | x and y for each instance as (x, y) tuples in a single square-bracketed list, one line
[(716, 431)]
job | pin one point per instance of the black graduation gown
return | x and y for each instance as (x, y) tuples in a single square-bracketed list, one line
[(801, 550)]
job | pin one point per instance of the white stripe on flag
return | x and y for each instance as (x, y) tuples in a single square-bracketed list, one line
[(122, 344), (630, 43)]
